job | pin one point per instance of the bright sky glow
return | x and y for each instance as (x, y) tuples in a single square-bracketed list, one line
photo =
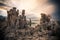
[(33, 7)]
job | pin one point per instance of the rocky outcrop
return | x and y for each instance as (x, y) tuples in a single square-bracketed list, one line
[(16, 27)]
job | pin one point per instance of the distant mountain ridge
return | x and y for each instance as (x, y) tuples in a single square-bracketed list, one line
[(2, 18)]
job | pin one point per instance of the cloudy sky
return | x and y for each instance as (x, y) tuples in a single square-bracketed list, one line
[(33, 8)]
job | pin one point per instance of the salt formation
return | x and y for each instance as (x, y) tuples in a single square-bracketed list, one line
[(18, 29)]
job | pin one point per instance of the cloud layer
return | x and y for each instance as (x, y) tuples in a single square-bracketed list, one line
[(33, 8)]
